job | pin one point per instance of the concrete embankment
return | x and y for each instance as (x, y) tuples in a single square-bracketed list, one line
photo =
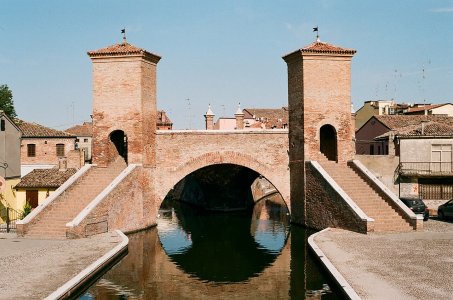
[(34, 269), (410, 265)]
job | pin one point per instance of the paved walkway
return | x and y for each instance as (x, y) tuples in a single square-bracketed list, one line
[(33, 269), (414, 265)]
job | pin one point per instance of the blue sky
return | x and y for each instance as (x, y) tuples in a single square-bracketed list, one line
[(221, 52)]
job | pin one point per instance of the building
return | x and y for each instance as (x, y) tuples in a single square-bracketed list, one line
[(425, 159), (84, 135), (366, 142), (445, 109), (43, 147), (10, 135), (163, 121), (253, 118), (390, 107), (374, 108), (39, 184)]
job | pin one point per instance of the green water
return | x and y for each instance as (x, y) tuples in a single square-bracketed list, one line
[(194, 254)]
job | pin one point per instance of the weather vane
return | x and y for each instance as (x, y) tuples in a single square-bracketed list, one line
[(317, 33), (123, 31)]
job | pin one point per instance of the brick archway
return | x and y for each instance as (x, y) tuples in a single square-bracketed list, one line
[(216, 158)]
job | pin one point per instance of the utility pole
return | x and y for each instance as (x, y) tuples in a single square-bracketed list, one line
[(188, 111)]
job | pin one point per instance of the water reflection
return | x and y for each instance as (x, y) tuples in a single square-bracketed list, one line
[(196, 255)]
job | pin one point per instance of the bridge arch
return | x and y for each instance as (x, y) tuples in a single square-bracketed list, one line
[(219, 158)]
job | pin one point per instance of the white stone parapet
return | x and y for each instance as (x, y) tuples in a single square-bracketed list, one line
[(55, 195)]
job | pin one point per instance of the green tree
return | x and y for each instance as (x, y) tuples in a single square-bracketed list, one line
[(6, 101)]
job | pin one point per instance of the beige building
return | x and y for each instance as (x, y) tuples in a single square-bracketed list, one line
[(373, 108), (9, 163), (445, 109), (254, 118), (84, 135), (425, 158)]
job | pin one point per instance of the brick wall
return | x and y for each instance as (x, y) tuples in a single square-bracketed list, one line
[(325, 207), (115, 212), (46, 152), (124, 98)]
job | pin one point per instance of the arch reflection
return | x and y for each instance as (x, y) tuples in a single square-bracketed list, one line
[(224, 247)]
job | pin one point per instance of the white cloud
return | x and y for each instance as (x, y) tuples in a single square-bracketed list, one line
[(442, 10)]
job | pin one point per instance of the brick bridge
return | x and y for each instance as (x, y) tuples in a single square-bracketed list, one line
[(180, 153), (136, 166)]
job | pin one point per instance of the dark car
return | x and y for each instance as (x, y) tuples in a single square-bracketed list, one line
[(445, 210), (417, 206)]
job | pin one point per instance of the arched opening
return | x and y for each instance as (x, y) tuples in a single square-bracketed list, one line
[(328, 142), (215, 225), (119, 140)]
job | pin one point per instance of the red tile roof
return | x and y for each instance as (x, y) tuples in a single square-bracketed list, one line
[(429, 129), (45, 178), (30, 130), (270, 117), (320, 47), (86, 129), (393, 122), (122, 50)]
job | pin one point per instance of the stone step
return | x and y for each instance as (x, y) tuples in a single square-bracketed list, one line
[(51, 222), (371, 203)]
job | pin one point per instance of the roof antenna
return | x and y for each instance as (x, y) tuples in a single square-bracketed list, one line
[(317, 33), (123, 31)]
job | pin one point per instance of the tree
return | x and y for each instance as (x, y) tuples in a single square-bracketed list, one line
[(6, 101)]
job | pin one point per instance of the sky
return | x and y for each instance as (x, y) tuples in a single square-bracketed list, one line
[(221, 52)]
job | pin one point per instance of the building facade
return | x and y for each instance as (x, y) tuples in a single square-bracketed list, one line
[(10, 135), (43, 148), (84, 136)]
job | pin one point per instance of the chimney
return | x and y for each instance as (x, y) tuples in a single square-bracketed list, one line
[(62, 164), (209, 118), (423, 127), (239, 115)]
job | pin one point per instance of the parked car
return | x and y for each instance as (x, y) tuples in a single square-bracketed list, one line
[(417, 206), (445, 210)]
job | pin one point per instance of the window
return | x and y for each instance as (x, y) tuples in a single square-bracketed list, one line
[(371, 149), (60, 150), (31, 150), (441, 159), (2, 126), (76, 140), (85, 140)]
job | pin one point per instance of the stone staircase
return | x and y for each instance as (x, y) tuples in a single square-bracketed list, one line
[(51, 222), (372, 204)]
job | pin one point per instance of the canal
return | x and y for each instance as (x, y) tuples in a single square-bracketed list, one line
[(198, 254)]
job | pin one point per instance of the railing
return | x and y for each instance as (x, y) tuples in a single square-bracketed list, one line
[(426, 168), (9, 217)]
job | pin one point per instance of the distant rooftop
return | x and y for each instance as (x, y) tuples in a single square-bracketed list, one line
[(86, 129), (37, 130)]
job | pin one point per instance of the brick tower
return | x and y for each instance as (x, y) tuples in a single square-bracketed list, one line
[(320, 123), (124, 104)]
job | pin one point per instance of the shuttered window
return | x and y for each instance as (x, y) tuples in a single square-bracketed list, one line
[(31, 150), (60, 150)]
